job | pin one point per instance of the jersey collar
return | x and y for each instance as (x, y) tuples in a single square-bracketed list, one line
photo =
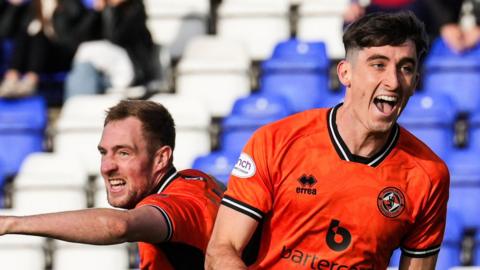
[(167, 179), (343, 151)]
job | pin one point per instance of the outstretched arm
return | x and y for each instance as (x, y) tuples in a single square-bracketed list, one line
[(408, 263), (100, 226)]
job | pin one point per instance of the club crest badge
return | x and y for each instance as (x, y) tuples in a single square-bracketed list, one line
[(391, 202)]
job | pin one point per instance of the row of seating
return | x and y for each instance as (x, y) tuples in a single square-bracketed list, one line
[(258, 24), (22, 252)]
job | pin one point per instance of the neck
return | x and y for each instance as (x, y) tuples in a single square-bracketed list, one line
[(160, 178), (359, 140)]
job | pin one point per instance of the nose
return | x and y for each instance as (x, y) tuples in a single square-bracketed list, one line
[(108, 165), (392, 79)]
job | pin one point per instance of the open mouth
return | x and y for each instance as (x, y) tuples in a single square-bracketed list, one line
[(385, 104), (116, 183)]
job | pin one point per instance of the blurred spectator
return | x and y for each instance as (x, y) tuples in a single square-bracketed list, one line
[(126, 56), (44, 40), (441, 18)]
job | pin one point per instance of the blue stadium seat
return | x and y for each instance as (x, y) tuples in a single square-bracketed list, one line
[(332, 99), (430, 117), (454, 74), (218, 164), (247, 115), (298, 71), (465, 185), (476, 255), (475, 129), (22, 130)]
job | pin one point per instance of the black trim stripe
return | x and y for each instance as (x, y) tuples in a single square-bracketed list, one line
[(167, 179), (343, 151), (168, 220), (243, 208), (421, 253)]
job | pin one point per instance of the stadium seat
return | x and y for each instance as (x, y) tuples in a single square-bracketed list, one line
[(298, 71), (248, 114), (192, 121), (259, 24), (21, 252), (465, 185), (79, 128), (322, 20), (215, 71), (173, 23), (100, 194), (475, 129), (219, 164), (74, 256), (430, 117), (55, 182), (476, 256), (454, 74), (22, 130)]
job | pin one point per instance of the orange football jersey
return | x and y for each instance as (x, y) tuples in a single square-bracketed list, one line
[(189, 201), (324, 208)]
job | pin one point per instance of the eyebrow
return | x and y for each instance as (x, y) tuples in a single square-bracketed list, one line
[(383, 57), (116, 147)]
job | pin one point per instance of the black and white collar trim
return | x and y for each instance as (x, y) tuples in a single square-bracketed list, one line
[(167, 179), (344, 152)]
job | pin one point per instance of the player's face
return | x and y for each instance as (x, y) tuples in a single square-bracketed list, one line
[(381, 80), (126, 166)]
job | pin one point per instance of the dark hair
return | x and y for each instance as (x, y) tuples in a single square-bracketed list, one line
[(381, 29), (157, 123)]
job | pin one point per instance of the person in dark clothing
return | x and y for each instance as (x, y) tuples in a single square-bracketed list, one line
[(45, 41), (124, 32), (441, 18)]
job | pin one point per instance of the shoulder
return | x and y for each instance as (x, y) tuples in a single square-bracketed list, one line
[(299, 124), (417, 152)]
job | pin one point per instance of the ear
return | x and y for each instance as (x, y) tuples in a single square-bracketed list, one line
[(162, 158), (344, 72)]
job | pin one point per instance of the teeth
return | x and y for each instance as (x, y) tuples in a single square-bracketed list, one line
[(116, 182), (387, 98)]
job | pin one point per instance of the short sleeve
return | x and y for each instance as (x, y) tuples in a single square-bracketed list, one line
[(250, 189), (426, 236), (187, 221)]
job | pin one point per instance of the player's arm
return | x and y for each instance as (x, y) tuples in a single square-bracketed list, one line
[(231, 234), (409, 263), (92, 226)]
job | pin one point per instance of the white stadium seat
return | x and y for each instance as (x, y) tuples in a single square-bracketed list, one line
[(192, 122), (79, 128), (215, 71), (173, 23), (73, 256), (21, 252), (260, 24), (322, 20)]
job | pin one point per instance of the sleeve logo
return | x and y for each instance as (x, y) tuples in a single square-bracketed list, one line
[(245, 166)]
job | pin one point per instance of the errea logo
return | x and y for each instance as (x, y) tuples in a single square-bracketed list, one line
[(245, 167), (307, 182)]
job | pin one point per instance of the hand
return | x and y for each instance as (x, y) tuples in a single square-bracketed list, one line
[(453, 36), (353, 12)]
